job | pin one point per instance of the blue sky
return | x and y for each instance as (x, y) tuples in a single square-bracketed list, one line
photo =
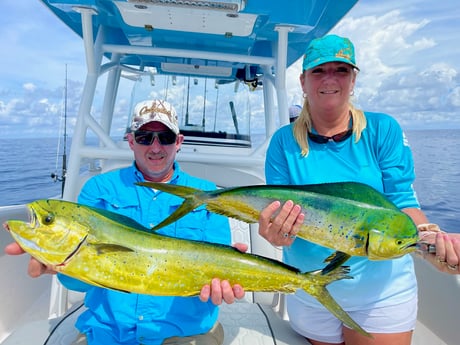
[(407, 52)]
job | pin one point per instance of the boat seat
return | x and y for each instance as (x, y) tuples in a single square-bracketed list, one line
[(243, 323)]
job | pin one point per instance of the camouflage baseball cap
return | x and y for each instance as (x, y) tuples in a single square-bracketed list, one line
[(154, 110)]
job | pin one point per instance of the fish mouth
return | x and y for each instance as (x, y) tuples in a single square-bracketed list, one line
[(5, 226), (412, 245)]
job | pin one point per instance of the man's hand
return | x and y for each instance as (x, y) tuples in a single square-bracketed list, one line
[(35, 268), (220, 290)]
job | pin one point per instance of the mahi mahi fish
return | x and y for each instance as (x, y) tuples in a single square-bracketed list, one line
[(112, 251), (351, 218)]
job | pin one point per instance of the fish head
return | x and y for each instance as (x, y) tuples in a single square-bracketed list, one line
[(395, 239), (51, 236)]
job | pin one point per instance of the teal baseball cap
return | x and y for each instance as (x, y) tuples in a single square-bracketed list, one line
[(330, 48)]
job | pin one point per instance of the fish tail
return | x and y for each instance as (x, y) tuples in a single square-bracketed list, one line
[(194, 197), (187, 206), (324, 297), (178, 190)]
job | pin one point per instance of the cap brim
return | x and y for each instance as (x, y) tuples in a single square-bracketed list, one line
[(166, 123), (326, 60)]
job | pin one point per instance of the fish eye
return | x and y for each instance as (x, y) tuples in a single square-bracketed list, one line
[(399, 242), (48, 219)]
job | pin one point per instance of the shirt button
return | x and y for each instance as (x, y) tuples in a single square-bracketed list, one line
[(141, 317)]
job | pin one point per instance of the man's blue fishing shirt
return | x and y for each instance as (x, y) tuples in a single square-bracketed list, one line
[(127, 318)]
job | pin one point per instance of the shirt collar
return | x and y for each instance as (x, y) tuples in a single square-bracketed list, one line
[(140, 177)]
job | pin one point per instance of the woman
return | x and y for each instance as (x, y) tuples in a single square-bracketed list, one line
[(332, 141)]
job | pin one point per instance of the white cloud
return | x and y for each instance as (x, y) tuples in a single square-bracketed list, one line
[(407, 55), (398, 73), (29, 87), (454, 97)]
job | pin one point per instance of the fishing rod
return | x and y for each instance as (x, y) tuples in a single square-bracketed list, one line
[(54, 175)]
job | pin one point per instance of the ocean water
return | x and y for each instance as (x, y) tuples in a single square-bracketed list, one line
[(437, 167), (25, 169)]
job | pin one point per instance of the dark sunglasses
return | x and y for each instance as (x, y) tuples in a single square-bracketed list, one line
[(147, 137), (323, 139)]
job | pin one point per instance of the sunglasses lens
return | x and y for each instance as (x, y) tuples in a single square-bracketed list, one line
[(147, 137), (341, 136), (322, 139), (167, 138), (319, 139), (143, 137)]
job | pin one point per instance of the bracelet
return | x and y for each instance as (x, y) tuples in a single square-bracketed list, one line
[(427, 229)]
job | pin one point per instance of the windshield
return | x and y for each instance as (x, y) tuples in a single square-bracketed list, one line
[(208, 109)]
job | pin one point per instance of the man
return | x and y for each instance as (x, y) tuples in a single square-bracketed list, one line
[(116, 317)]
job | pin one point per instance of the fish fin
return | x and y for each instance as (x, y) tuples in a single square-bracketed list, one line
[(186, 207), (178, 190), (355, 191), (335, 260), (105, 248), (248, 216), (324, 297), (119, 218), (188, 193)]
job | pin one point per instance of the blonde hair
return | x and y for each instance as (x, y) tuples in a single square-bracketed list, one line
[(303, 125)]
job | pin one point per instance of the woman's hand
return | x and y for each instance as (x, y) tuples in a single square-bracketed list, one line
[(446, 254), (282, 229)]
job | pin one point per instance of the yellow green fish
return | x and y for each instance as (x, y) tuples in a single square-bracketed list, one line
[(352, 218), (112, 251)]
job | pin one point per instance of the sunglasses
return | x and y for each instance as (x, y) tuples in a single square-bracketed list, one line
[(147, 137), (323, 139)]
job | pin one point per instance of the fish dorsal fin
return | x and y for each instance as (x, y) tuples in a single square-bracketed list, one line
[(355, 191), (119, 218)]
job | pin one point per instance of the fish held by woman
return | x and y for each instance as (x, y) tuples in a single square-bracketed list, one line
[(352, 218), (112, 251)]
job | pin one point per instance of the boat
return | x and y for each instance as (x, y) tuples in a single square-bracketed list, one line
[(222, 63)]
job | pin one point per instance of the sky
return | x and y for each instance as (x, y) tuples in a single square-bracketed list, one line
[(408, 54)]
